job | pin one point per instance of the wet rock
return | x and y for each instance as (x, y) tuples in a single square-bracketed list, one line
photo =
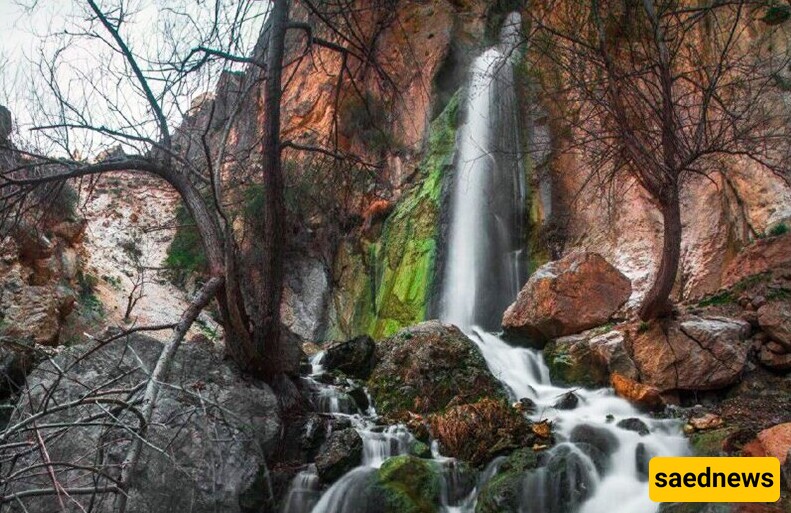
[(588, 359), (565, 482), (459, 480), (694, 354), (571, 362), (209, 419), (634, 424), (596, 436), (422, 369), (342, 451), (637, 393), (355, 357), (407, 483), (477, 432), (503, 492), (360, 398), (567, 296), (525, 405), (598, 443), (642, 456), (775, 319), (567, 401)]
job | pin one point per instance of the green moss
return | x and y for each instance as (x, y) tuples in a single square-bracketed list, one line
[(778, 230), (185, 254), (709, 443), (721, 298), (409, 485), (398, 269)]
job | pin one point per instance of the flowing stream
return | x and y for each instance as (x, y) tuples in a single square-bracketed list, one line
[(597, 466)]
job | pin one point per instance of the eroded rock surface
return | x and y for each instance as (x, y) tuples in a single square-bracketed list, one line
[(208, 422)]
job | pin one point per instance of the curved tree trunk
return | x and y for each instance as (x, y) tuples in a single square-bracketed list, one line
[(656, 302)]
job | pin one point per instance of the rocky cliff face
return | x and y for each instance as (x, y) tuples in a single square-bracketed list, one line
[(353, 266)]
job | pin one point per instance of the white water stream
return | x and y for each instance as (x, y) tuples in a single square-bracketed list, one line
[(483, 273), (618, 486)]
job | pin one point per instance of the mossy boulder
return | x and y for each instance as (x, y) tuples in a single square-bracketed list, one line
[(426, 368), (571, 362), (589, 358), (480, 431), (502, 493), (407, 484)]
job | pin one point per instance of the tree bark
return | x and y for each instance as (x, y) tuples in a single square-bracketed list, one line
[(656, 302), (267, 337)]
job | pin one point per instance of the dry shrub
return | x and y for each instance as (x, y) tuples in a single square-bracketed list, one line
[(476, 432)]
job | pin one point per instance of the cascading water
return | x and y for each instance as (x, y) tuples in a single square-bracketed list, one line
[(483, 274), (484, 270)]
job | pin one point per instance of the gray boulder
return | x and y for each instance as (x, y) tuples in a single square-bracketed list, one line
[(342, 452), (205, 448)]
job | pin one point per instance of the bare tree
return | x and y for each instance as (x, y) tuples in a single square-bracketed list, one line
[(661, 90), (203, 166)]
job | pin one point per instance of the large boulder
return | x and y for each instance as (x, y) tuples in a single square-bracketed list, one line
[(423, 368), (567, 296), (589, 358), (776, 441), (208, 421), (694, 354), (355, 357), (775, 319)]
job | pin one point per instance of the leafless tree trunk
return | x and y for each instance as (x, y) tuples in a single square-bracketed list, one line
[(658, 91)]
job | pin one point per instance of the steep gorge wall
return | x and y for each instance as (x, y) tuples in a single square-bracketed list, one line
[(722, 214)]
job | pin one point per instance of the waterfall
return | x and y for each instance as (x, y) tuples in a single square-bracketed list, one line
[(483, 273), (594, 461), (484, 269)]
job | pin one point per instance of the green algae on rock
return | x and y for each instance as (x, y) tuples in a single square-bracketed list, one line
[(385, 285)]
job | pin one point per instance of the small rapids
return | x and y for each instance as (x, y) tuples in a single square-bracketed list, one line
[(597, 466)]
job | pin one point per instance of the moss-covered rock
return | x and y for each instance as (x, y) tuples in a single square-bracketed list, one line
[(385, 285), (422, 369), (407, 484), (710, 442), (571, 362), (501, 494)]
